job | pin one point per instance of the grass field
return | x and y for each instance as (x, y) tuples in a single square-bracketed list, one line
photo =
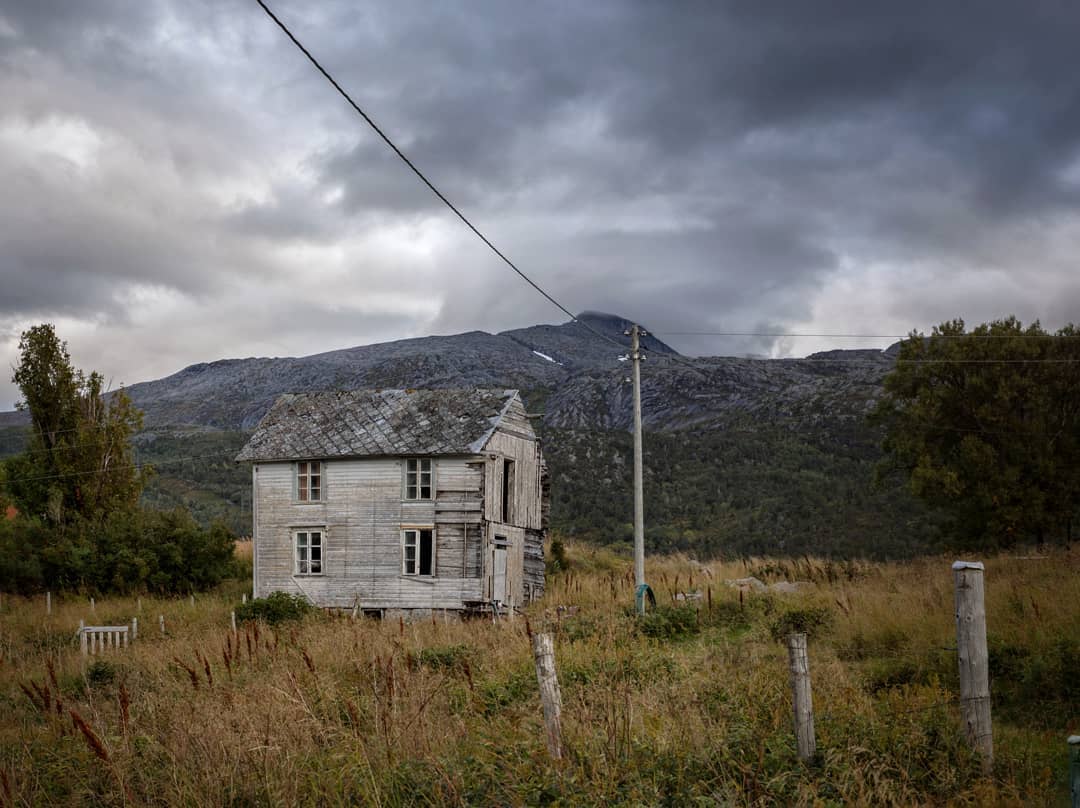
[(689, 706)]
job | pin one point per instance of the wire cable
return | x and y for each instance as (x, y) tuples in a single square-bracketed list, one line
[(128, 467), (860, 336), (431, 186)]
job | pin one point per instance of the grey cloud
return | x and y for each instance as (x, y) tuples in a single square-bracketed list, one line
[(726, 165)]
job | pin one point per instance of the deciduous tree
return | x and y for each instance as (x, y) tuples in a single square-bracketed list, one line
[(78, 463), (986, 424)]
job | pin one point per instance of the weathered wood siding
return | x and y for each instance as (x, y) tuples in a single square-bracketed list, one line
[(514, 440), (525, 524), (533, 566), (362, 514), (515, 559)]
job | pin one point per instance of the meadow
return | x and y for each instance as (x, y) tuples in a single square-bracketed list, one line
[(689, 706)]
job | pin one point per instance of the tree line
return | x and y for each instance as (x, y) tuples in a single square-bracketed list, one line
[(976, 441), (71, 516), (985, 427)]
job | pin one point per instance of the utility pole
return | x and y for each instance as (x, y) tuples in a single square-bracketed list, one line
[(641, 588)]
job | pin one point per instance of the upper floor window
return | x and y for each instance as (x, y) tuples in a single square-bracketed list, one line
[(309, 486), (418, 478)]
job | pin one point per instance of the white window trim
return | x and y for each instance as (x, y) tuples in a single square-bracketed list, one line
[(405, 479), (405, 529), (293, 536), (296, 482)]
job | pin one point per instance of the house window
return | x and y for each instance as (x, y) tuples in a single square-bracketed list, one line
[(418, 479), (508, 491), (418, 551), (309, 551), (309, 481)]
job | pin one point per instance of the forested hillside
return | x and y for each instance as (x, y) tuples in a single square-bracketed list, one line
[(741, 455)]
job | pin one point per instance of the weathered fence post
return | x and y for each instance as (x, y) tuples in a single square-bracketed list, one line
[(93, 610), (974, 660), (550, 697), (161, 624), (82, 638), (1074, 769), (243, 598), (802, 698), (193, 599), (232, 622), (134, 628), (138, 605), (48, 603)]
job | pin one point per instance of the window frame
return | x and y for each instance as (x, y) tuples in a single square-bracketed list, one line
[(419, 484), (308, 532), (302, 493), (418, 530)]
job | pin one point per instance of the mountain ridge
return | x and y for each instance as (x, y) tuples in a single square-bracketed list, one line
[(573, 367)]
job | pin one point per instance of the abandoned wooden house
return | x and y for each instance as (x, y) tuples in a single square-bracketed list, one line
[(399, 500)]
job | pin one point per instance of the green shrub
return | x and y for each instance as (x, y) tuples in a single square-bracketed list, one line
[(100, 673), (128, 551), (496, 694), (669, 622), (443, 658), (557, 560), (275, 608), (810, 620)]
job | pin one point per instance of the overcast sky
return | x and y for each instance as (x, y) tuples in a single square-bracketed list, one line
[(177, 184)]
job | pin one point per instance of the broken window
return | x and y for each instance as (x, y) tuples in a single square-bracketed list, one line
[(309, 481), (418, 551), (418, 478), (309, 551)]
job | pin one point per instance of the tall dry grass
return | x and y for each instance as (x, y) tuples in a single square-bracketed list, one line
[(690, 705)]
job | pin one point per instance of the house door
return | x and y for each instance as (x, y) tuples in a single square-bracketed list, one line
[(498, 578)]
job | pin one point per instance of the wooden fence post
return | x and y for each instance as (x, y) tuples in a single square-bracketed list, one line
[(1074, 769), (161, 624), (134, 628), (544, 656), (974, 660), (232, 621), (802, 699), (193, 599), (93, 610), (243, 598), (48, 603), (82, 639)]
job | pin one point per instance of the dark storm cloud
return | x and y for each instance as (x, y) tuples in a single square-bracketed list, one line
[(745, 165)]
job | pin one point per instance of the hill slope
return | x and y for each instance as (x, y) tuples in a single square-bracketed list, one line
[(744, 455)]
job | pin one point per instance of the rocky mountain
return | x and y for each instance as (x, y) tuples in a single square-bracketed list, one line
[(742, 455), (573, 369)]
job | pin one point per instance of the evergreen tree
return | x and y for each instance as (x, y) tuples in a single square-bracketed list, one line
[(986, 424)]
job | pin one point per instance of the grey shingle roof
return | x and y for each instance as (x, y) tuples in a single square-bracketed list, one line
[(377, 422)]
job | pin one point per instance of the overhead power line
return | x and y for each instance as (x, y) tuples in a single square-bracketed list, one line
[(128, 467), (431, 186), (858, 336), (884, 361)]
